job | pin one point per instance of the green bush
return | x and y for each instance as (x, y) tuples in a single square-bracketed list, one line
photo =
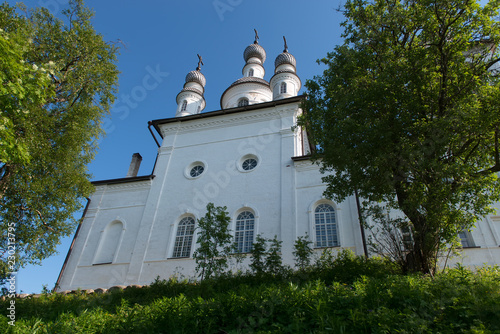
[(339, 294), (302, 252)]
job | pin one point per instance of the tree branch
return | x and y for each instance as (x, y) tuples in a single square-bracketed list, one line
[(78, 95), (496, 167), (43, 222)]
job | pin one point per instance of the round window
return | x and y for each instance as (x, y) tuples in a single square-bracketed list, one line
[(249, 164), (196, 170)]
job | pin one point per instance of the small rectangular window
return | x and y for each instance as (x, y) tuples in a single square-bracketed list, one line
[(466, 239)]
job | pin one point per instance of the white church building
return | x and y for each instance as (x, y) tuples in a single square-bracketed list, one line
[(245, 156)]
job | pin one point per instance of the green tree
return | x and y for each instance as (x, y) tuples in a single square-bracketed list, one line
[(23, 86), (302, 252), (257, 255), (407, 113), (214, 242), (59, 79), (274, 263)]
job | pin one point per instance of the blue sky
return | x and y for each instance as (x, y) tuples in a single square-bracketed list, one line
[(163, 37)]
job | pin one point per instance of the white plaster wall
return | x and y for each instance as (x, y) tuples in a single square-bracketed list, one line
[(474, 257), (309, 190), (281, 193), (109, 203), (220, 145), (256, 93), (278, 191), (486, 240)]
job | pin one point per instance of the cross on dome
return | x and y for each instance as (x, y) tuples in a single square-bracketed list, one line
[(200, 62)]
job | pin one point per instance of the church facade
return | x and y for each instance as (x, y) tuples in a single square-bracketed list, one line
[(247, 156)]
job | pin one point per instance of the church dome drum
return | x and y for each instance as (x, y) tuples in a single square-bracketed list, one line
[(285, 82), (190, 100)]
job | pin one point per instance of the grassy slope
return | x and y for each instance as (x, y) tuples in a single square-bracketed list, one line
[(345, 295)]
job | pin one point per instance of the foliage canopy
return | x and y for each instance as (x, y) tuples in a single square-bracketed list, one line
[(407, 113), (59, 78)]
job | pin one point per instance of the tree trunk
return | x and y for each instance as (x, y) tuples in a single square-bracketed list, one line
[(5, 175), (421, 256)]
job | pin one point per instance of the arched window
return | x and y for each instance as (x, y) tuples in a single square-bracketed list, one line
[(250, 72), (283, 88), (184, 237), (243, 102), (326, 226), (184, 105), (243, 238), (109, 243)]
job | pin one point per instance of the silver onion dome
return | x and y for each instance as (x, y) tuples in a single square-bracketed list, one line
[(285, 58), (254, 50), (196, 76)]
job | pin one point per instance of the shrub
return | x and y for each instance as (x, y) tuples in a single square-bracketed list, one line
[(302, 252), (367, 298), (214, 242), (258, 255), (274, 264)]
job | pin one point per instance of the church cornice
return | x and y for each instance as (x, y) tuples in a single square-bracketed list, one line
[(124, 180), (157, 123), (281, 75), (128, 186), (305, 163), (232, 120)]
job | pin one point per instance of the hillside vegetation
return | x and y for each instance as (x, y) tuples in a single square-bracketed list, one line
[(337, 294)]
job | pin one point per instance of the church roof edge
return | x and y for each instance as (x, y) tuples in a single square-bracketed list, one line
[(256, 106), (123, 180), (302, 157)]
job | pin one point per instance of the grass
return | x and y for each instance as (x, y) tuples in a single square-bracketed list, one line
[(342, 294)]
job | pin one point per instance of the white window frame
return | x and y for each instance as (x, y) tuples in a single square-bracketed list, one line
[(250, 208), (313, 225), (246, 245), (243, 102), (466, 240), (239, 163), (283, 88), (187, 170), (176, 236)]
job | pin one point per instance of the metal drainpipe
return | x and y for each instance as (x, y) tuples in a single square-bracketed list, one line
[(151, 131)]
